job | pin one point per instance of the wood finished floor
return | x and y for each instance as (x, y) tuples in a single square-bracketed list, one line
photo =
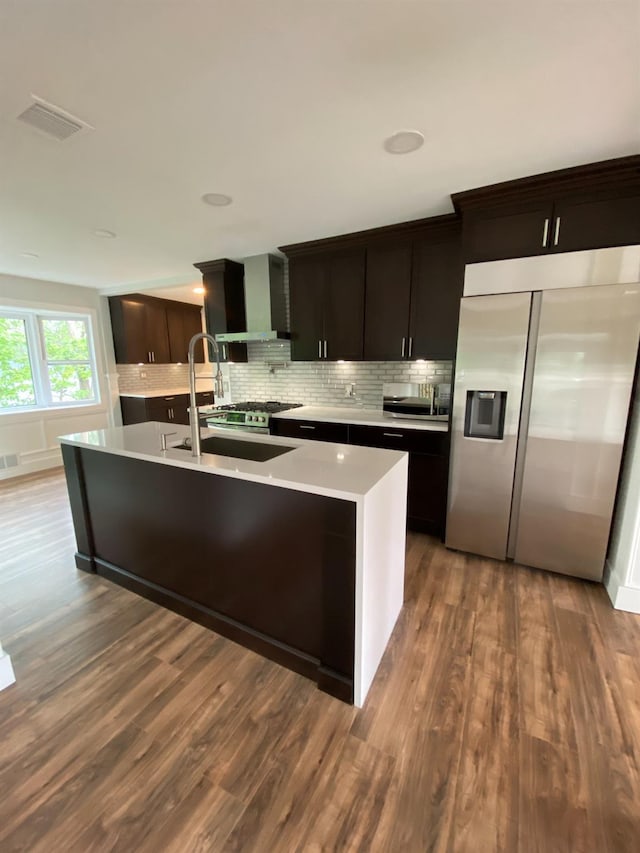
[(505, 716)]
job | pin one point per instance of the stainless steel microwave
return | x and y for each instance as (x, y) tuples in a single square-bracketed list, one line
[(424, 400)]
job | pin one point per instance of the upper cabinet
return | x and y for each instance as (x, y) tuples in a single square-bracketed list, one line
[(385, 294), (413, 290), (586, 207), (224, 304), (147, 330), (327, 303)]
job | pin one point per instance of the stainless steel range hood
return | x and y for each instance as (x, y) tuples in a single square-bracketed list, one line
[(264, 301)]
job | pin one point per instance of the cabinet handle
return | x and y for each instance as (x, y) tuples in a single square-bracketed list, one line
[(410, 346), (556, 233), (304, 426), (393, 434), (169, 398), (545, 233), (325, 349), (149, 356), (224, 352), (403, 346), (319, 349)]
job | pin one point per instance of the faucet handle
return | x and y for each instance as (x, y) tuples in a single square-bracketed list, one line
[(163, 439)]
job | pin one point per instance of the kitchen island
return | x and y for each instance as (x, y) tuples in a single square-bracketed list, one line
[(299, 557)]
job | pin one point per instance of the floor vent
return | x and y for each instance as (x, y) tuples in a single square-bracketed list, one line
[(8, 461), (52, 120)]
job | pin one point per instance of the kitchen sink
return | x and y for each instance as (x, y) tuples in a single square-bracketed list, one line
[(238, 449)]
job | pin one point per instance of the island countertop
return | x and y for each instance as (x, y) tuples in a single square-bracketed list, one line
[(341, 471)]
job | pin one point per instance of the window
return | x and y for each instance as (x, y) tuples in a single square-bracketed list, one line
[(46, 360)]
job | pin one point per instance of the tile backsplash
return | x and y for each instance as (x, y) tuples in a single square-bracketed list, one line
[(271, 375), (157, 377)]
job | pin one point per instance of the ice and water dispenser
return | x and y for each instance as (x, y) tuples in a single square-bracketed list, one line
[(484, 414)]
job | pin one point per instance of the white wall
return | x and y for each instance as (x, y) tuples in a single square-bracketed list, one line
[(32, 435), (623, 564)]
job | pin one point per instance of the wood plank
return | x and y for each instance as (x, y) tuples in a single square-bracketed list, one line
[(505, 716)]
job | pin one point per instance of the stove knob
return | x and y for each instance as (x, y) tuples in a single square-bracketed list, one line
[(262, 420)]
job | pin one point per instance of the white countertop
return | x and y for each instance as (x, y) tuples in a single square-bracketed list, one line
[(335, 470), (164, 392), (366, 417)]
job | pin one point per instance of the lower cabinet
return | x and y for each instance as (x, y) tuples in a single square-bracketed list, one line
[(428, 461), (173, 408), (428, 470)]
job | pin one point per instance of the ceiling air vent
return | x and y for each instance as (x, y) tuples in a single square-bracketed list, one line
[(52, 120)]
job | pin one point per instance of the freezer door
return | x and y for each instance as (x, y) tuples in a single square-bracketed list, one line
[(492, 343), (584, 367)]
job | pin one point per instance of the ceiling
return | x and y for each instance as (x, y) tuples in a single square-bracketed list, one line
[(284, 106)]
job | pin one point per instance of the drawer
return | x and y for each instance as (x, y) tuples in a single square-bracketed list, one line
[(397, 438), (204, 398), (315, 430)]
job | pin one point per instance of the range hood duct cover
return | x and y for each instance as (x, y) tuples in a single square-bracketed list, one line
[(264, 301)]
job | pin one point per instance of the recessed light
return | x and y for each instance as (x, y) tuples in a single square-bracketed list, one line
[(198, 289), (217, 199), (404, 142), (102, 232), (30, 254)]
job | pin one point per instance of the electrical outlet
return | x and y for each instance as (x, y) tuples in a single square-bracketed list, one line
[(143, 374), (350, 389)]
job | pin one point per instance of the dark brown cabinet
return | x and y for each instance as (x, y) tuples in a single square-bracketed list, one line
[(413, 292), (428, 470), (316, 430), (172, 408), (183, 322), (147, 330), (224, 304), (139, 325), (428, 461), (327, 305), (387, 301), (586, 207)]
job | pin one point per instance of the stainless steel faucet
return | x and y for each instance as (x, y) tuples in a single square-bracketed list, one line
[(194, 422)]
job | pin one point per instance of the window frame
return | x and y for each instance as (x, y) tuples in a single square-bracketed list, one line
[(37, 352)]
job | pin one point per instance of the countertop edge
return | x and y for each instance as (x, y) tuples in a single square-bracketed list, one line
[(326, 491), (305, 413)]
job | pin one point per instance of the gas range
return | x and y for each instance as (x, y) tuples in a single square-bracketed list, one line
[(250, 416)]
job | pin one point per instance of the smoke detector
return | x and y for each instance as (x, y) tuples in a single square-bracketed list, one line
[(52, 120)]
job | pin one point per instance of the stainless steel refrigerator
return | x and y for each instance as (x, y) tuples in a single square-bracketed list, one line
[(543, 382)]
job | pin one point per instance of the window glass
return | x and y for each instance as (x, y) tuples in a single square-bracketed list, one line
[(16, 378), (65, 340), (71, 382)]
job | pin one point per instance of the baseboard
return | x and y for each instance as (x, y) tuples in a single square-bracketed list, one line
[(47, 459), (7, 675), (622, 597)]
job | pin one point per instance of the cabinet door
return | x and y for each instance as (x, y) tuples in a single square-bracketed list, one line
[(157, 333), (595, 223), (427, 493), (492, 235), (129, 325), (436, 289), (183, 322), (306, 287), (344, 306), (386, 313)]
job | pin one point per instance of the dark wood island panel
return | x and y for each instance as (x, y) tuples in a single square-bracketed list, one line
[(268, 567)]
